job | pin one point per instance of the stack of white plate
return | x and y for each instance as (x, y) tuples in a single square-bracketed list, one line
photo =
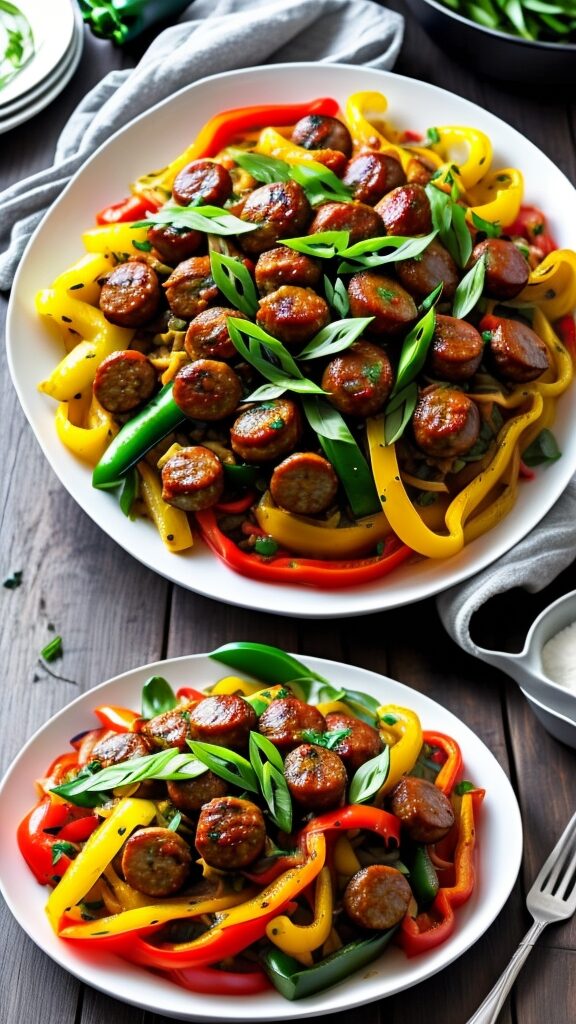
[(58, 38)]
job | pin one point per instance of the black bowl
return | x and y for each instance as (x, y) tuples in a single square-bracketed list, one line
[(496, 54)]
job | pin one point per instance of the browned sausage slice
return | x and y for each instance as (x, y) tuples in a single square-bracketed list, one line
[(170, 729), (223, 719), (190, 795), (424, 810), (266, 431), (372, 175), (156, 861), (281, 210), (319, 131), (122, 746), (285, 719), (406, 210), (293, 315), (507, 271), (359, 380), (377, 897), (381, 297), (208, 337), (422, 275), (231, 833), (130, 295), (190, 287), (456, 349), (174, 246), (360, 745), (204, 178), (446, 423), (517, 353), (359, 219), (304, 483), (192, 479), (285, 266), (207, 389), (315, 776), (124, 380)]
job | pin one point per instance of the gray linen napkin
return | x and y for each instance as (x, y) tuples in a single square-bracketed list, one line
[(532, 564), (211, 36)]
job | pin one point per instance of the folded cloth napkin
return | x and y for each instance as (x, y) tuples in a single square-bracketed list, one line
[(532, 564), (211, 36)]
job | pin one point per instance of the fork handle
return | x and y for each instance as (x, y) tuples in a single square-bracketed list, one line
[(488, 1011)]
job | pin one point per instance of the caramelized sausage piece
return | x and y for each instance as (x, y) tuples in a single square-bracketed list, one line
[(203, 178), (208, 337), (359, 219), (190, 795), (456, 349), (192, 479), (293, 315), (424, 810), (319, 131), (124, 380), (281, 210), (507, 271), (377, 897), (358, 380), (172, 245), (266, 431), (190, 287), (406, 211), (285, 266), (315, 776), (372, 175), (517, 353), (422, 275), (285, 719), (156, 861), (122, 746), (445, 423), (130, 295), (223, 719), (231, 833), (360, 745), (304, 483), (378, 296), (170, 729), (207, 389)]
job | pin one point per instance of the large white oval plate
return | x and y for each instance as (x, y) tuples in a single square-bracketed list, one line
[(499, 843), (151, 141)]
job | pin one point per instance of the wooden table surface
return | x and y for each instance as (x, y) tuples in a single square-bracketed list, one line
[(114, 614)]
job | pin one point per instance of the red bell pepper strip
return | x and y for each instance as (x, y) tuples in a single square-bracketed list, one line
[(116, 718), (452, 765), (310, 572), (47, 823), (189, 693), (126, 210), (212, 981), (222, 129), (532, 225), (238, 505), (79, 830), (353, 816), (566, 328)]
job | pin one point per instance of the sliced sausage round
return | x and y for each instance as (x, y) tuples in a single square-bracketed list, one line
[(130, 295), (122, 746), (406, 210), (281, 210), (204, 178), (156, 861), (174, 245), (377, 897), (422, 275), (169, 729), (456, 349), (315, 776), (517, 353), (192, 479), (319, 131), (285, 266), (358, 380), (445, 423), (372, 175), (360, 745), (424, 810), (208, 337), (266, 431), (190, 287), (304, 483), (285, 719), (124, 380), (207, 389), (190, 795), (223, 719), (293, 315), (231, 833), (381, 297), (359, 219), (507, 271)]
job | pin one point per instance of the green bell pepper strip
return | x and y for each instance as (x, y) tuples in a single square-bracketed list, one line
[(157, 419), (270, 664), (294, 981), (423, 878)]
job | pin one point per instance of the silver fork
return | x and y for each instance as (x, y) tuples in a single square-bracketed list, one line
[(551, 898)]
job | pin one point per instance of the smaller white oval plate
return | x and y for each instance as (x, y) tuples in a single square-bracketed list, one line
[(499, 844)]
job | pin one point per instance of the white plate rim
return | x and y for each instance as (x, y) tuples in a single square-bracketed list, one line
[(57, 22), (500, 842), (198, 570)]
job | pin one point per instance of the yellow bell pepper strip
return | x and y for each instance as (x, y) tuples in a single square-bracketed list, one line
[(272, 143), (297, 939), (172, 523), (233, 931), (112, 238), (552, 285), (360, 108), (76, 371), (87, 442), (497, 197), (427, 930), (234, 684), (401, 729), (500, 506), (100, 849), (221, 131), (308, 538), (84, 277), (401, 513), (344, 858), (467, 148)]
